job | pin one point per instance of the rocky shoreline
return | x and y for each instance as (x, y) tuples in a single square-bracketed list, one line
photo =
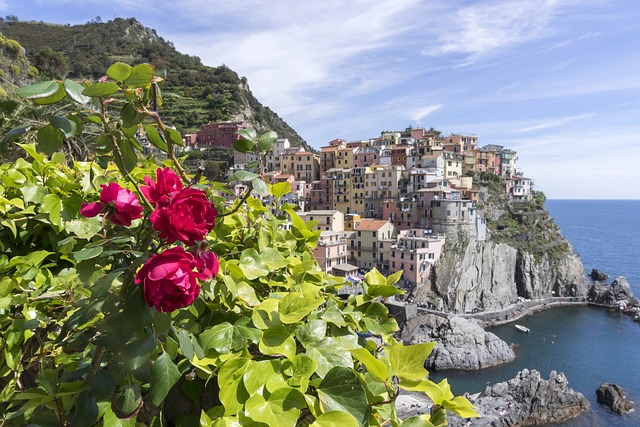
[(462, 343)]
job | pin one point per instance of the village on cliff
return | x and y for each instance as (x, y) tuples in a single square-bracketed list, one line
[(387, 202)]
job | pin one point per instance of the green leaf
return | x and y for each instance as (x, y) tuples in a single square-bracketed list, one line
[(461, 406), (335, 419), (129, 160), (243, 175), (248, 133), (164, 375), (407, 362), (39, 90), (153, 136), (273, 259), (375, 367), (258, 374), (280, 189), (280, 409), (33, 193), (84, 228), (393, 278), (15, 133), (128, 399), (294, 307), (49, 139), (101, 89), (65, 125), (244, 145), (266, 141), (222, 337), (260, 187), (119, 71), (74, 90), (232, 391), (56, 97), (88, 253), (278, 340), (130, 116), (251, 264), (141, 75), (176, 137), (86, 410), (418, 421), (327, 355), (52, 205), (341, 390)]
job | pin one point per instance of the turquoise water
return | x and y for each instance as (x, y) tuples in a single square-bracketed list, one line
[(589, 345)]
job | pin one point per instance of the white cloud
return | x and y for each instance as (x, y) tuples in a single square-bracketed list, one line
[(555, 123)]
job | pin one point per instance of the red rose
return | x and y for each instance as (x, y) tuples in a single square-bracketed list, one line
[(159, 191), (188, 216), (121, 205), (208, 264), (170, 279)]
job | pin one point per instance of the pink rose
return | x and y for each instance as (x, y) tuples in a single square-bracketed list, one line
[(170, 279), (208, 264), (159, 192), (122, 205), (188, 216)]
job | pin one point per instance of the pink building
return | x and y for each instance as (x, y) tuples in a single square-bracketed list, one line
[(331, 250), (220, 134), (415, 252)]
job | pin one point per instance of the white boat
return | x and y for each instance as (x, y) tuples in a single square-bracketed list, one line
[(522, 328)]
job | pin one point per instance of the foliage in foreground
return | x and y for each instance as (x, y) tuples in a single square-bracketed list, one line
[(268, 342)]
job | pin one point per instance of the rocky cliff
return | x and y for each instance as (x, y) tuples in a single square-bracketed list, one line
[(524, 256), (526, 399), (460, 343)]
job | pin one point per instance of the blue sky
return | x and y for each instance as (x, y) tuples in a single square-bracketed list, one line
[(556, 80)]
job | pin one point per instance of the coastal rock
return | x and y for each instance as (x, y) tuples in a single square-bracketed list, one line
[(619, 290), (613, 396), (489, 276), (461, 343), (526, 399), (598, 276)]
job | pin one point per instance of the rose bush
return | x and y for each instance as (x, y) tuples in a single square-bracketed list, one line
[(122, 205), (170, 279), (143, 325)]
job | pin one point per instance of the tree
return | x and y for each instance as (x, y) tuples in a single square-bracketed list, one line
[(51, 64), (112, 314)]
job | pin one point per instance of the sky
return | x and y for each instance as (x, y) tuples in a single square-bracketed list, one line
[(556, 80)]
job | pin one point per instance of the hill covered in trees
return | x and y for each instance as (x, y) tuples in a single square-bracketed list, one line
[(193, 93)]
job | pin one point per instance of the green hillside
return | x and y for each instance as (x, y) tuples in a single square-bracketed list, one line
[(193, 93)]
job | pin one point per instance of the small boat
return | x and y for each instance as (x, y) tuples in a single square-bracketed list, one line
[(522, 328)]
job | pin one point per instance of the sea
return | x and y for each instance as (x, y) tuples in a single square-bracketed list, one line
[(589, 345)]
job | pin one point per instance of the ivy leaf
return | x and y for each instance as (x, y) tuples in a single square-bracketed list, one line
[(74, 90), (278, 340), (100, 89), (251, 264), (52, 205), (258, 374), (341, 390), (280, 409), (335, 419), (141, 75), (164, 375), (33, 193), (407, 362), (375, 367), (49, 139), (273, 259), (119, 71), (418, 421), (461, 406), (327, 355), (260, 187), (233, 394), (294, 307), (279, 189), (222, 337)]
